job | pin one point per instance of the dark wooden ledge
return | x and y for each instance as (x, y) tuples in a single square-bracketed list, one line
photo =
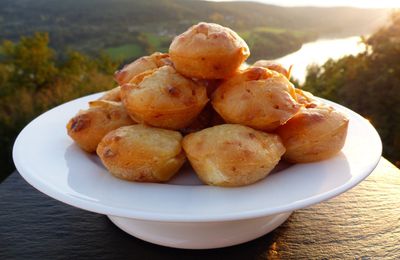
[(363, 223)]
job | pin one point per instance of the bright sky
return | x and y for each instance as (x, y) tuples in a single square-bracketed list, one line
[(327, 3)]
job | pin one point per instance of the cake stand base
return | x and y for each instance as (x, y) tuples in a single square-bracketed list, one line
[(200, 235)]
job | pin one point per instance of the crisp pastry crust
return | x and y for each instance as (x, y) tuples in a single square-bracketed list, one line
[(142, 153), (208, 51), (232, 155), (163, 98), (257, 97), (89, 126), (315, 133), (129, 71)]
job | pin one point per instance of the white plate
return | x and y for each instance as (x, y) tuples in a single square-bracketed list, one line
[(49, 160)]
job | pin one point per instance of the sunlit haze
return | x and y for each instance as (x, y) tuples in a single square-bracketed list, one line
[(328, 3)]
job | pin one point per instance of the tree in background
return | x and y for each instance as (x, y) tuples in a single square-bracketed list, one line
[(368, 83), (33, 80)]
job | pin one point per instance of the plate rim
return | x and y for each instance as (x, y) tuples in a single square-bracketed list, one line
[(40, 185)]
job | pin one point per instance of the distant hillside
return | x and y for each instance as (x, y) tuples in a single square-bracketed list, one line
[(122, 27)]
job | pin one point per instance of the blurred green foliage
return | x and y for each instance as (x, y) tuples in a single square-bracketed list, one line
[(33, 79), (368, 83)]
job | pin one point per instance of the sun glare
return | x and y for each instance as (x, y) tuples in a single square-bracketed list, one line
[(329, 3)]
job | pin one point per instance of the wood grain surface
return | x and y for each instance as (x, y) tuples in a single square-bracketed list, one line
[(363, 223)]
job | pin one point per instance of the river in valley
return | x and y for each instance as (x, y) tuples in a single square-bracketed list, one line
[(319, 52)]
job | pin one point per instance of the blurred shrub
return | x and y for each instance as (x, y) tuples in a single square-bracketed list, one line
[(368, 83), (33, 80)]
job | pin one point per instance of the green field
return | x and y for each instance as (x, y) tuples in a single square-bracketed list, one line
[(145, 44), (157, 42), (153, 39), (246, 34), (125, 51)]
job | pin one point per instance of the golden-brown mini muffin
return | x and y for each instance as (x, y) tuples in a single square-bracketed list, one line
[(273, 65), (142, 153), (89, 126), (232, 155), (112, 95), (314, 134), (208, 51), (140, 65), (163, 98), (257, 97)]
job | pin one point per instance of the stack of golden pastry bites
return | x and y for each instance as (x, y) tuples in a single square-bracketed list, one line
[(254, 118)]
